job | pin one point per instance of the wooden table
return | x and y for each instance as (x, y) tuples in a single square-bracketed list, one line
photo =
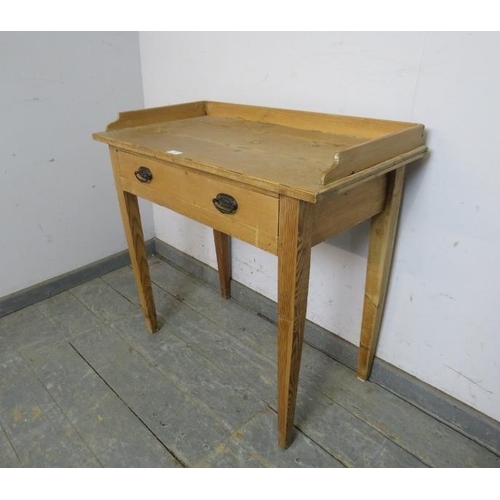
[(281, 180)]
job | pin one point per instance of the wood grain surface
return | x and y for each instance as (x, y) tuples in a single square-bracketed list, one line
[(223, 252), (131, 217), (295, 153), (294, 257), (382, 237), (191, 193)]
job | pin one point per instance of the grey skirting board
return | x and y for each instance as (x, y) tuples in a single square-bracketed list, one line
[(36, 293)]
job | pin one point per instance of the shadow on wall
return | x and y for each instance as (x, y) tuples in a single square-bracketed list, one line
[(355, 240)]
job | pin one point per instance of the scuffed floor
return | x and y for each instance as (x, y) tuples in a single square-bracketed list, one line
[(82, 384)]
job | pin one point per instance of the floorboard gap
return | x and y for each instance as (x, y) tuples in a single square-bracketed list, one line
[(298, 429), (11, 445), (180, 462)]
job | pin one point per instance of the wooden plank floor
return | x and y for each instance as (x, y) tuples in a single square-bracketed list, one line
[(82, 384)]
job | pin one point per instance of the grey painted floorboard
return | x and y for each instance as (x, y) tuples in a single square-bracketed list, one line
[(229, 454), (259, 437), (8, 457), (103, 301), (35, 426), (452, 412), (122, 281), (108, 427), (187, 428), (245, 365), (66, 312), (433, 442), (232, 402), (83, 384)]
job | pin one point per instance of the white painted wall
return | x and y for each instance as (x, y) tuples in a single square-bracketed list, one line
[(58, 207), (441, 323)]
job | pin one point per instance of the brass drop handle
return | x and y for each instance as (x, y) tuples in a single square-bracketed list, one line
[(143, 174), (225, 203)]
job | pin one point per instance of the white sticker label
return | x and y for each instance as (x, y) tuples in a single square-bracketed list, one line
[(174, 152)]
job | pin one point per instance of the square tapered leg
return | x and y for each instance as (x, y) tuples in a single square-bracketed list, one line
[(382, 237), (294, 256)]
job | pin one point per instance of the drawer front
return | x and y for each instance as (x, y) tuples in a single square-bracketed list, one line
[(254, 216)]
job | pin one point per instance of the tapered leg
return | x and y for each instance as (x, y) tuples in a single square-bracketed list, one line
[(131, 217), (382, 237), (294, 257), (223, 251)]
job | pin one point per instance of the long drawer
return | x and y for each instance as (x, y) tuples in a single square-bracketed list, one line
[(224, 205)]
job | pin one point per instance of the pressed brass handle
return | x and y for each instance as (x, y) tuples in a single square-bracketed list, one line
[(225, 203), (143, 174)]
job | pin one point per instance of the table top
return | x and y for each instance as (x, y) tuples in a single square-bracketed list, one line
[(301, 154)]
